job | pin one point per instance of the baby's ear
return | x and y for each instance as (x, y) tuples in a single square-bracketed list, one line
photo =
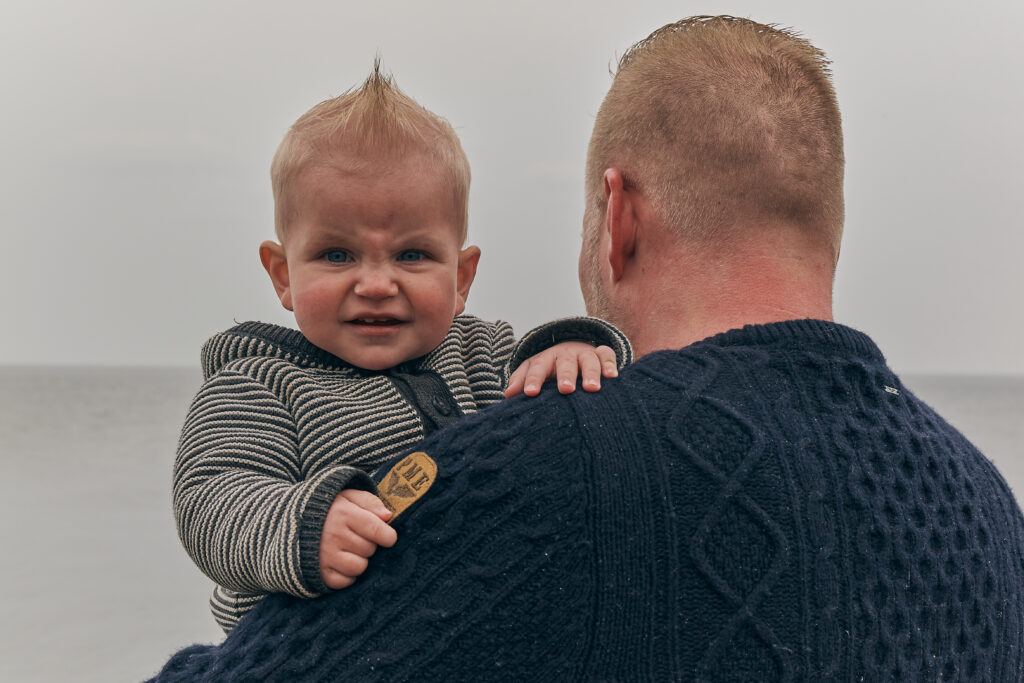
[(276, 264), (468, 259)]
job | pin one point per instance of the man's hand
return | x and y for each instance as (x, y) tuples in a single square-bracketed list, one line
[(355, 525), (563, 362)]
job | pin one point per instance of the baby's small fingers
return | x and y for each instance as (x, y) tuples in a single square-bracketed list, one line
[(540, 368), (353, 543), (609, 364), (350, 564), (335, 579), (590, 371), (368, 502), (566, 370), (341, 569), (370, 527), (382, 534), (516, 381)]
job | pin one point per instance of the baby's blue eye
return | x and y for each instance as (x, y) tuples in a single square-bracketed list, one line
[(411, 255), (337, 256)]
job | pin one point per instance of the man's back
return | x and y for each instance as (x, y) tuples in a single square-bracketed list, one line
[(770, 504), (832, 526)]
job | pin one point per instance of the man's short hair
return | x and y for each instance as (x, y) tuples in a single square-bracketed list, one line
[(724, 122), (375, 122)]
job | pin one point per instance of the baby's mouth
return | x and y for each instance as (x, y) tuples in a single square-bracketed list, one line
[(375, 322)]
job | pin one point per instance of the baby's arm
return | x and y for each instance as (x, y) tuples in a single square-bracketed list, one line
[(246, 513), (564, 362)]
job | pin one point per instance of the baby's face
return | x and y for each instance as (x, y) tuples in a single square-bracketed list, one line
[(375, 268)]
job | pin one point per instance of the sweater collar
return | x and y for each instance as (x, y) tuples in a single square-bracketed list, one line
[(265, 339), (821, 335), (292, 345)]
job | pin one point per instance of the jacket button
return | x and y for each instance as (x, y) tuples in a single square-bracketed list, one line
[(441, 405)]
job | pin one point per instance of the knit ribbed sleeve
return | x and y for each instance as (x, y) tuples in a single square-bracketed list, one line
[(241, 502)]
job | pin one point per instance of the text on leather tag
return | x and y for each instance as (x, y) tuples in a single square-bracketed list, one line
[(407, 482)]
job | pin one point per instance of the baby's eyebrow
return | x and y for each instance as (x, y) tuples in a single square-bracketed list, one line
[(420, 240)]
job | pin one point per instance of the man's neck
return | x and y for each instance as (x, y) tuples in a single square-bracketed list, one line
[(748, 286), (690, 329)]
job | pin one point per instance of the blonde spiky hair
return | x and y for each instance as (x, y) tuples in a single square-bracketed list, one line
[(374, 122)]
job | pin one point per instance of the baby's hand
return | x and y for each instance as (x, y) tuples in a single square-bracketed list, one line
[(355, 525), (563, 361)]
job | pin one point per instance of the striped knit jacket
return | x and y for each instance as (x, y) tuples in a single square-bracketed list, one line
[(280, 426)]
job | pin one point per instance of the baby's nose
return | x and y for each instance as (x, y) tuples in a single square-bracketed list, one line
[(376, 283)]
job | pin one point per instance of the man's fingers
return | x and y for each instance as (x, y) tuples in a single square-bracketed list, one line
[(609, 364)]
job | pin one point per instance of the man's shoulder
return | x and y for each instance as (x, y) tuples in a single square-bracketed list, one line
[(527, 415), (520, 427)]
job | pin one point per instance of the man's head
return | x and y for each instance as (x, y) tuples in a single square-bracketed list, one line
[(723, 126), (370, 194)]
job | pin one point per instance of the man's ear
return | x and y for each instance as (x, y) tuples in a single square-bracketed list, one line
[(276, 264), (468, 260), (620, 221)]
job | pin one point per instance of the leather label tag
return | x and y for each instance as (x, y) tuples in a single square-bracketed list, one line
[(407, 482)]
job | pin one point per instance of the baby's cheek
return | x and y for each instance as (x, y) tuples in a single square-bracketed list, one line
[(320, 294)]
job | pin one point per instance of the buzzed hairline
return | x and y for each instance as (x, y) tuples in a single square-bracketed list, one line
[(724, 122)]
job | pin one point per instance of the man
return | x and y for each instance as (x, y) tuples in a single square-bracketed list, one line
[(757, 498)]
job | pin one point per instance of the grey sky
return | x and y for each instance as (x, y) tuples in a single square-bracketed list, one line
[(136, 138)]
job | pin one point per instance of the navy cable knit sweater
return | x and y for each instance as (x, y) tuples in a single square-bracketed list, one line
[(768, 504)]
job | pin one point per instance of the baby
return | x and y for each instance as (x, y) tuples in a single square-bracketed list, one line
[(271, 492)]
